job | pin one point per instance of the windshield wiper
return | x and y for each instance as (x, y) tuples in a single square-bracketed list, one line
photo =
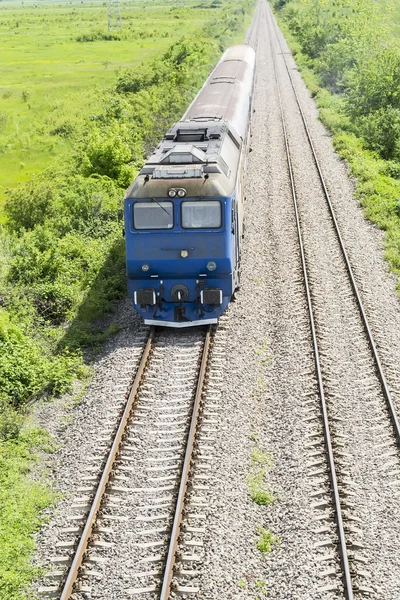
[(164, 209)]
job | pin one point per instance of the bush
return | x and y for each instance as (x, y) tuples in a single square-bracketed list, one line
[(381, 131), (29, 205), (375, 83), (334, 64), (107, 153), (175, 68), (87, 205), (96, 36), (10, 422), (23, 368), (134, 80), (64, 129)]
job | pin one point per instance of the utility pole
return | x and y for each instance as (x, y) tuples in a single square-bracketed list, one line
[(114, 15)]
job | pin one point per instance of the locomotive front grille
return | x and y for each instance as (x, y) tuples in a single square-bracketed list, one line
[(211, 296)]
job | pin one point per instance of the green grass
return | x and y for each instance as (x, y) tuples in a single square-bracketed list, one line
[(48, 77), (21, 502)]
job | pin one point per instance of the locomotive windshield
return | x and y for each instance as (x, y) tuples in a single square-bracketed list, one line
[(201, 214), (153, 215)]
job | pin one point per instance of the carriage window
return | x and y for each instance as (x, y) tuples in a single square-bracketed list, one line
[(201, 214), (153, 215)]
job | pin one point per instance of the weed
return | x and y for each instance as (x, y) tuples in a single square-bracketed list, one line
[(261, 457), (242, 584), (263, 353), (261, 383), (265, 541), (259, 491), (254, 437), (262, 588)]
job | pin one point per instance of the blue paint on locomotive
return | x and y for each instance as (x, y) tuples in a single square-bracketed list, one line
[(161, 250)]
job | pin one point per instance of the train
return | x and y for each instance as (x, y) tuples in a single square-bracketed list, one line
[(184, 211)]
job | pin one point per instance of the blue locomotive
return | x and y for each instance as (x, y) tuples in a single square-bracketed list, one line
[(184, 211)]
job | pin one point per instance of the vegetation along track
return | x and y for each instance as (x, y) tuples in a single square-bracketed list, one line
[(144, 503), (355, 412)]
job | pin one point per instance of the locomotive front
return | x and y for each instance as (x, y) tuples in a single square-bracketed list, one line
[(184, 211)]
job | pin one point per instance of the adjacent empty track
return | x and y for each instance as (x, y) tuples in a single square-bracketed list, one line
[(353, 393)]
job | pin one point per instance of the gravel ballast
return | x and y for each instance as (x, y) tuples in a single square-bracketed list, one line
[(266, 378)]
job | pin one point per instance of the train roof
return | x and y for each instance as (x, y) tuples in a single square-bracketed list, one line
[(226, 92), (201, 152)]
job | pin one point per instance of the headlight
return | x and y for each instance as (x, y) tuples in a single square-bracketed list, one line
[(172, 193), (145, 267), (181, 193), (211, 265)]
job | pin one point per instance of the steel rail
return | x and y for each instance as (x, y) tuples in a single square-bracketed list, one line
[(255, 24), (250, 30), (327, 435), (68, 586), (176, 528), (379, 368)]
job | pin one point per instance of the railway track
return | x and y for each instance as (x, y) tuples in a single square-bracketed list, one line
[(252, 34), (153, 463), (146, 501), (346, 493)]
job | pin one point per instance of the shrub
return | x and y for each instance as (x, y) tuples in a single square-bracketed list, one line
[(107, 153), (88, 205), (334, 64), (134, 80), (10, 422), (96, 36), (64, 129), (375, 83), (23, 368), (381, 131), (29, 205)]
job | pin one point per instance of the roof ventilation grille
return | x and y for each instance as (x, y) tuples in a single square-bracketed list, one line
[(182, 154)]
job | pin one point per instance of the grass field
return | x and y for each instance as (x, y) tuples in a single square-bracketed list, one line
[(46, 74)]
